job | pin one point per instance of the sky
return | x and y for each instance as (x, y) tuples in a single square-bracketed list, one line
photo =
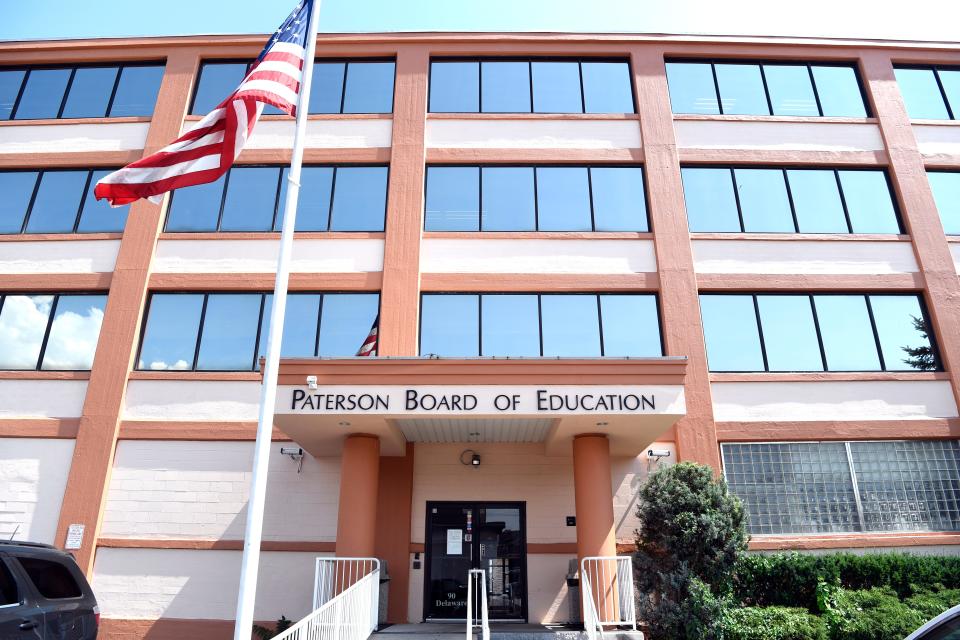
[(936, 20)]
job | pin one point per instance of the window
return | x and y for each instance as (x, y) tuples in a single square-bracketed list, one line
[(828, 332), (774, 200), (49, 331), (339, 86), (228, 331), (52, 579), (79, 92), (930, 92), (535, 199), (57, 201), (525, 86), (946, 193), (246, 198), (838, 487), (534, 325), (765, 88), (9, 593)]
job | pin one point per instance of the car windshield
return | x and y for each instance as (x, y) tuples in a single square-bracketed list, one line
[(946, 630)]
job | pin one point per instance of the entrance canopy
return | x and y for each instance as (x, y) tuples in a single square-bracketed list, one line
[(633, 401)]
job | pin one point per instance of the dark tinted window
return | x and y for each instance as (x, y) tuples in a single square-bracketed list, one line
[(253, 198), (79, 92), (946, 193), (930, 93), (53, 580), (522, 86), (228, 331), (531, 325), (17, 189), (97, 216), (791, 201), (799, 332), (369, 87), (535, 198), (56, 201), (217, 81), (326, 88), (9, 593), (765, 89)]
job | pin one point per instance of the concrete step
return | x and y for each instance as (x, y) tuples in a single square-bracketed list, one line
[(450, 631)]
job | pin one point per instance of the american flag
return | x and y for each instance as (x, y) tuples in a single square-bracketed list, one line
[(369, 347), (206, 152)]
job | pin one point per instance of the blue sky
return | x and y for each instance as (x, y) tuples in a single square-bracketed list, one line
[(923, 19)]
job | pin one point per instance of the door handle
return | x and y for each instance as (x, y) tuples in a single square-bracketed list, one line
[(26, 625)]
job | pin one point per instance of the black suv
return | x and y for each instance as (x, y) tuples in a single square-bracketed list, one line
[(43, 594)]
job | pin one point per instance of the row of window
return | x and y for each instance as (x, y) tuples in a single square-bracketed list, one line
[(351, 198), (532, 325), (56, 201), (79, 92), (930, 92), (49, 331), (535, 199), (761, 200), (228, 331), (488, 198), (844, 487), (337, 86), (827, 332)]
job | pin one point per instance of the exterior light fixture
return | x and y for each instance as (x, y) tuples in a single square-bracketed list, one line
[(312, 382), (474, 458)]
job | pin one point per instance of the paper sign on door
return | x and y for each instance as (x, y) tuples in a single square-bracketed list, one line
[(454, 542)]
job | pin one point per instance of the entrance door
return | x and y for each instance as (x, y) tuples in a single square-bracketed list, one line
[(475, 535)]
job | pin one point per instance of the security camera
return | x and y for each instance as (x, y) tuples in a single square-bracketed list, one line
[(291, 451), (658, 453)]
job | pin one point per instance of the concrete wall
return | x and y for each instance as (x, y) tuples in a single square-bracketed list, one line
[(33, 474)]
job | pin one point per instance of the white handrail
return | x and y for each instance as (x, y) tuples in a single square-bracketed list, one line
[(482, 592), (606, 589), (348, 593)]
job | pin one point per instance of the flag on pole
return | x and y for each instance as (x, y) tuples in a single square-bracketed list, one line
[(207, 151), (370, 345)]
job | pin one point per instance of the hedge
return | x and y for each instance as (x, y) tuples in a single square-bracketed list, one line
[(790, 579), (772, 623), (871, 614)]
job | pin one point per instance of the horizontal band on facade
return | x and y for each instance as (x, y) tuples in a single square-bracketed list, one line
[(66, 159), (60, 428), (537, 235), (58, 282), (853, 541), (831, 376), (792, 157), (317, 155), (809, 282), (30, 374), (543, 548), (273, 235), (800, 237), (539, 282), (195, 430), (560, 155), (838, 430), (370, 281), (308, 546), (59, 237)]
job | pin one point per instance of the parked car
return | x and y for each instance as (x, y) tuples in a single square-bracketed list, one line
[(44, 595), (945, 626)]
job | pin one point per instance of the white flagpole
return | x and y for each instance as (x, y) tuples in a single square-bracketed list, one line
[(268, 391)]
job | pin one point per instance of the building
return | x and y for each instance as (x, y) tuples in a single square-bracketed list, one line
[(581, 259)]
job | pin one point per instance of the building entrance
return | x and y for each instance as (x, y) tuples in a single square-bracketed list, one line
[(475, 535)]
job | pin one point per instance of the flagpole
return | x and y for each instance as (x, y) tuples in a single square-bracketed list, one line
[(268, 391)]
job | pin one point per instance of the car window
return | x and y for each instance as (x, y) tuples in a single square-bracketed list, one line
[(9, 593), (949, 630), (52, 579)]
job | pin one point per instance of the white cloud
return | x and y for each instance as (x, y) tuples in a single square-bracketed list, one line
[(22, 324), (160, 365), (73, 340)]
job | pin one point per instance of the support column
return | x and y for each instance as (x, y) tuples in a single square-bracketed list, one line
[(596, 529), (359, 478), (395, 498)]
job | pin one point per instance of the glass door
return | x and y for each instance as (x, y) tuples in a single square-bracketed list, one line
[(475, 535)]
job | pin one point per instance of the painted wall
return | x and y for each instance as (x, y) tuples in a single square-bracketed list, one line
[(771, 134), (260, 256), (89, 256), (56, 137), (798, 256), (33, 474), (441, 255), (199, 490), (191, 400), (26, 398), (533, 134)]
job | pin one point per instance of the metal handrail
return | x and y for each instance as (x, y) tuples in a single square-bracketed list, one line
[(349, 615), (606, 588), (484, 614)]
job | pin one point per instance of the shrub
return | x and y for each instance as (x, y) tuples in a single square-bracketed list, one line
[(691, 534), (772, 623), (869, 614), (931, 603)]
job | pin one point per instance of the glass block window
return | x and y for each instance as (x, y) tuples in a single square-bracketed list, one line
[(837, 487)]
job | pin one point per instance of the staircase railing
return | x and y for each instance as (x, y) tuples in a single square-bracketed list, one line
[(475, 578), (606, 587), (348, 593)]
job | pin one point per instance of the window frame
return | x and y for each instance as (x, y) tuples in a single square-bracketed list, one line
[(278, 206), (119, 66), (536, 201), (761, 62), (529, 60), (596, 294), (259, 334), (50, 318), (343, 88), (793, 208), (925, 312), (935, 68)]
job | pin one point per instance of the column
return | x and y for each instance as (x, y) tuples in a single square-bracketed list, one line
[(359, 478), (596, 533)]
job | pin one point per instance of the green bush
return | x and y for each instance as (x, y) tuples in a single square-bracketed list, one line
[(772, 623), (869, 614), (931, 603), (790, 579)]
